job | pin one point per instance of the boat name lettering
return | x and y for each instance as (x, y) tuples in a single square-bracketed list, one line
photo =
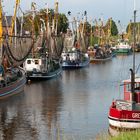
[(135, 115)]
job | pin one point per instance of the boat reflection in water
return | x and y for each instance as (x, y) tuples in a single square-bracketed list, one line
[(37, 119)]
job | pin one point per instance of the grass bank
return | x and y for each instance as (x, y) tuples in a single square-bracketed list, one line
[(129, 135)]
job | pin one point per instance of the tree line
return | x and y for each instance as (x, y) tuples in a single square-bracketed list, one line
[(96, 31)]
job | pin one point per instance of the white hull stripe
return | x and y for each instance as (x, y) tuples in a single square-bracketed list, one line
[(124, 120), (124, 124)]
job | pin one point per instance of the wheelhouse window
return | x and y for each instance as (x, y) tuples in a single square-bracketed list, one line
[(128, 87), (137, 86), (36, 62), (28, 61)]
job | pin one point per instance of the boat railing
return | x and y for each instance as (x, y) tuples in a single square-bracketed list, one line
[(123, 105)]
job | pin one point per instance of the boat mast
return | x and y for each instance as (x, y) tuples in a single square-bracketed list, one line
[(21, 25), (1, 31), (134, 40), (15, 20), (14, 17), (133, 70), (48, 34), (56, 17), (91, 33), (33, 10), (109, 30)]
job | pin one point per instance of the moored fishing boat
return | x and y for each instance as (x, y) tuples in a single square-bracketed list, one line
[(125, 113), (12, 76), (102, 51), (38, 68), (123, 47), (74, 54), (98, 54), (12, 82), (44, 62), (102, 59), (74, 59)]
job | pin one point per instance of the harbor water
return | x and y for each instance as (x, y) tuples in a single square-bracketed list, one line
[(74, 105)]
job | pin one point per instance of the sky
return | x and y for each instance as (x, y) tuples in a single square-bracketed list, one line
[(117, 9)]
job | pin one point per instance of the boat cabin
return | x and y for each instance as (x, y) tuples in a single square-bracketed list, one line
[(70, 56), (32, 64), (127, 89)]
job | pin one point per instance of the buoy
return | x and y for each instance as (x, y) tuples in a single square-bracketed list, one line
[(29, 81)]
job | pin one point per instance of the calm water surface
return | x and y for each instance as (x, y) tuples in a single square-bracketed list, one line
[(72, 106)]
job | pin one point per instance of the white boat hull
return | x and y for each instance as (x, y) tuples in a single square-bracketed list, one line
[(127, 124)]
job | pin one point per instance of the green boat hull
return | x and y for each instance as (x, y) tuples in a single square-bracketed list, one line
[(123, 50)]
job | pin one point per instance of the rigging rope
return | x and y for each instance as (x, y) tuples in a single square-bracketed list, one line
[(13, 57), (58, 53), (138, 68), (10, 55)]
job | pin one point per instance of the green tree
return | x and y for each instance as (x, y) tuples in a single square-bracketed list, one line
[(130, 27), (62, 21), (114, 29), (111, 25), (130, 31)]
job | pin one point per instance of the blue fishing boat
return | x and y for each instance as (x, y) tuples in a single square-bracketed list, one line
[(75, 59), (75, 54)]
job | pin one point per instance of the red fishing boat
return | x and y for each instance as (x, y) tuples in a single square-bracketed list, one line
[(126, 113)]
